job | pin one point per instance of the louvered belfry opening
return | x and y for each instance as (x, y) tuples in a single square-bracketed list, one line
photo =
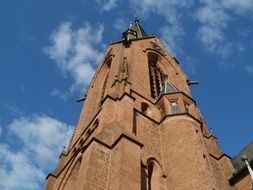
[(157, 77)]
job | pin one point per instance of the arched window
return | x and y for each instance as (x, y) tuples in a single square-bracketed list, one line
[(72, 177), (156, 76), (144, 107), (155, 176), (106, 70)]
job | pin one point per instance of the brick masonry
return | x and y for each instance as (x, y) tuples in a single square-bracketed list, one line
[(127, 140)]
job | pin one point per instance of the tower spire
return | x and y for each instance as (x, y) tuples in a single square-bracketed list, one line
[(136, 19), (134, 31)]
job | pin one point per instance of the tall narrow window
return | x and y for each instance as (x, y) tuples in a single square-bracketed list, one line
[(155, 176), (107, 68), (174, 108), (144, 107), (186, 108), (156, 76)]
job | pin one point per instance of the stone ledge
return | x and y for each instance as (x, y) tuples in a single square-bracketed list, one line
[(124, 134)]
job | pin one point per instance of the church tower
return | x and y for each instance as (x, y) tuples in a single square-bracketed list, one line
[(140, 128)]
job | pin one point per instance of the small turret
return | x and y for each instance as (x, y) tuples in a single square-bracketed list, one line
[(134, 31)]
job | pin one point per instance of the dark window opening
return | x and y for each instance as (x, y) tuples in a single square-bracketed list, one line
[(156, 79), (187, 108), (144, 107)]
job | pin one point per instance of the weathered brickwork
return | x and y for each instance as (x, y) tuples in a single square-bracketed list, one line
[(184, 155), (244, 183), (140, 128), (149, 134)]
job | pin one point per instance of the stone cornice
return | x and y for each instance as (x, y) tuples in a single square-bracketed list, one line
[(137, 39), (123, 135)]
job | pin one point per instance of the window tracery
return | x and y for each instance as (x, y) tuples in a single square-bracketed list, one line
[(156, 76)]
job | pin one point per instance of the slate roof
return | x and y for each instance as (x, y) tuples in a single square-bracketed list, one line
[(237, 162), (134, 31), (138, 29), (168, 87)]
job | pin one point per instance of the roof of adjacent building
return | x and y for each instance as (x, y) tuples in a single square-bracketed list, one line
[(237, 162)]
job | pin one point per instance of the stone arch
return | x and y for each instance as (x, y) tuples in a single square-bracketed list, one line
[(159, 71), (162, 58), (156, 74), (106, 63), (103, 78), (159, 59), (155, 175), (145, 108)]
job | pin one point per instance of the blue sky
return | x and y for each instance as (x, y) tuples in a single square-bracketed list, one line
[(50, 49)]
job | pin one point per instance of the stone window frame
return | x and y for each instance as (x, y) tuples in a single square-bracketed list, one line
[(156, 75), (174, 107), (182, 100), (155, 174)]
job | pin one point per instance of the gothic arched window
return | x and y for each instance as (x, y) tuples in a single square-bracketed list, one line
[(106, 71), (155, 176), (156, 76)]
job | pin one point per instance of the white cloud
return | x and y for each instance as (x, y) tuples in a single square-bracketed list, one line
[(13, 110), (173, 30), (35, 133), (17, 172), (211, 37), (171, 36), (107, 5), (26, 165), (212, 13), (120, 24), (162, 7), (213, 19), (57, 93), (76, 52), (249, 69), (242, 7), (25, 36)]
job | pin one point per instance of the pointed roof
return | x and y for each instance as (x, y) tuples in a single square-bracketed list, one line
[(138, 29), (134, 31), (168, 87)]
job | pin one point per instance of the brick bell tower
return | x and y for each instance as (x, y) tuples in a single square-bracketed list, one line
[(140, 128)]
